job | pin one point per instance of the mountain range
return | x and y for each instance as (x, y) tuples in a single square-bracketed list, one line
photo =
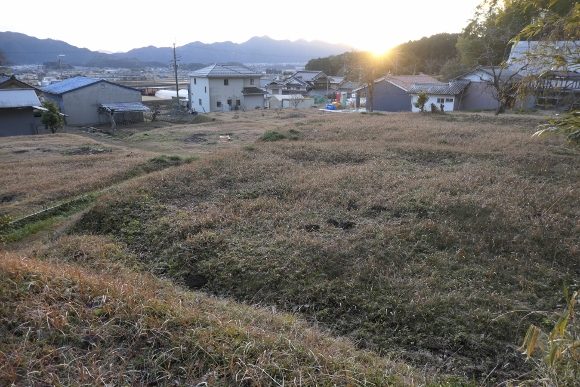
[(20, 49)]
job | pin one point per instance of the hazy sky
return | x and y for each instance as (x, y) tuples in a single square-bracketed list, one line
[(124, 24)]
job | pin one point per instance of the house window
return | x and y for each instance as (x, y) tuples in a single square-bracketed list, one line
[(199, 102), (251, 81), (440, 100), (229, 102), (195, 81), (238, 102), (205, 89), (219, 104), (448, 99), (226, 82)]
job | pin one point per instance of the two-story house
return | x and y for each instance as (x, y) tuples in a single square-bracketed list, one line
[(222, 87)]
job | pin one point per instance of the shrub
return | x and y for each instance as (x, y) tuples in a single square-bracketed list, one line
[(272, 135)]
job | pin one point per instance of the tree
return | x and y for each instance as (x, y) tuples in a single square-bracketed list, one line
[(51, 118), (487, 41), (295, 100), (421, 101)]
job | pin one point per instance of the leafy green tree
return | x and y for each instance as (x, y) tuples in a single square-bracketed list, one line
[(486, 40), (421, 101), (52, 119)]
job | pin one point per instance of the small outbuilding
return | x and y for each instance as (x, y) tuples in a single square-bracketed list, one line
[(82, 100), (446, 97), (285, 101), (19, 112), (391, 93)]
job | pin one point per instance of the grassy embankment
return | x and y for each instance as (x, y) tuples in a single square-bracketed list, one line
[(80, 316)]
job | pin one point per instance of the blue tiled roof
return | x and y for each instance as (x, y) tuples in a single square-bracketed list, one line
[(69, 85)]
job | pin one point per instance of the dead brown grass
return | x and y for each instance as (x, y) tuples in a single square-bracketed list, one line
[(410, 233), (62, 324), (38, 171)]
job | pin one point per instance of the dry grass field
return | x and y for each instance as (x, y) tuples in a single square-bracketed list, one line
[(434, 239), (38, 171)]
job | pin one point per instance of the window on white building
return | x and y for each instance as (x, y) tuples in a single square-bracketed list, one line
[(226, 82), (205, 89), (219, 104), (199, 101), (448, 99), (440, 100), (195, 81), (229, 102), (251, 81)]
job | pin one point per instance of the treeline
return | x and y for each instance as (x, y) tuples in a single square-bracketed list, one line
[(486, 40), (427, 55)]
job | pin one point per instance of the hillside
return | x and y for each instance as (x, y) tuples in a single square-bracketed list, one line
[(23, 49), (429, 237), (427, 55)]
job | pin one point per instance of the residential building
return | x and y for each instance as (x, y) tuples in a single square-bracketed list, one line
[(481, 94), (311, 83), (10, 82), (87, 101), (222, 87), (19, 112), (391, 92)]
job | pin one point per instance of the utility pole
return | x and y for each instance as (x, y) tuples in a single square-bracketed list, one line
[(175, 70)]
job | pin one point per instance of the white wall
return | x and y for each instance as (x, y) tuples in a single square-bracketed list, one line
[(199, 89), (449, 103), (212, 90), (252, 102)]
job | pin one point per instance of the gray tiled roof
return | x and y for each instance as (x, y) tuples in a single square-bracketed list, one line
[(13, 98), (223, 70), (307, 76), (252, 91), (451, 88)]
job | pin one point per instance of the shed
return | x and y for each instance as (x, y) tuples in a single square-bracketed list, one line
[(284, 101), (391, 93), (81, 98), (253, 98), (17, 112)]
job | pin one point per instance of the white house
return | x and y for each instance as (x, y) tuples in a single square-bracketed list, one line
[(222, 87), (447, 95)]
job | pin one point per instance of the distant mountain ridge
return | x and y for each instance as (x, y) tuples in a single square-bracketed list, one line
[(19, 48)]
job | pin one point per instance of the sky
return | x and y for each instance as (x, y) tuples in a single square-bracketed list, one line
[(120, 25)]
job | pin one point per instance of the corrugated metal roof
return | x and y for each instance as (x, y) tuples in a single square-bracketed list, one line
[(126, 107), (451, 88), (69, 85), (14, 98), (223, 70)]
